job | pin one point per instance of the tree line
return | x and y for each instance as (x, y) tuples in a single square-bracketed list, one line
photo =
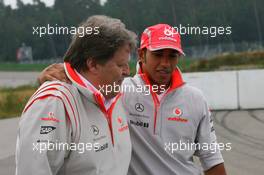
[(202, 22)]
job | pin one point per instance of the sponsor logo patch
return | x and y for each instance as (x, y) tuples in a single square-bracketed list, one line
[(138, 115), (177, 116), (139, 107), (169, 31), (138, 123), (177, 112), (101, 147), (178, 119), (95, 130), (122, 124), (51, 117), (46, 129)]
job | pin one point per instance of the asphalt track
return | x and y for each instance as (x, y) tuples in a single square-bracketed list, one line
[(14, 79), (243, 129)]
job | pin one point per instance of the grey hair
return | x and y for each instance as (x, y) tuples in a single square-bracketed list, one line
[(110, 36)]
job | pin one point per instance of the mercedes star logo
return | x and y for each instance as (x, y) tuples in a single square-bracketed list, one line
[(95, 130), (139, 107)]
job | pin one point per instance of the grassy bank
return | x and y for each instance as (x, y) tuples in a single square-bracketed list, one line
[(13, 100), (21, 67), (183, 64), (229, 61)]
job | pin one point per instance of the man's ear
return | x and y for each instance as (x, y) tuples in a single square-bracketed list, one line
[(141, 54), (92, 65), (177, 60)]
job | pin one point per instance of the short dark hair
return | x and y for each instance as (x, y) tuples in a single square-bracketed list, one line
[(112, 34)]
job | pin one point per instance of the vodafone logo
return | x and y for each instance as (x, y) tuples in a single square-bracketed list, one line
[(51, 117), (178, 112), (51, 114), (177, 116), (169, 31)]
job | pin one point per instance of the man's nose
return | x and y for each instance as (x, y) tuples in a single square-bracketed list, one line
[(165, 62)]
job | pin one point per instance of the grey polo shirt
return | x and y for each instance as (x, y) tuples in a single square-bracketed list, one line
[(166, 134)]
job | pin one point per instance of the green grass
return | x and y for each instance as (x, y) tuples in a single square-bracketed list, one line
[(185, 63), (229, 61), (13, 100), (22, 67)]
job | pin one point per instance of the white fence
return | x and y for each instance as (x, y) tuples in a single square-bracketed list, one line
[(223, 90), (230, 89), (251, 89)]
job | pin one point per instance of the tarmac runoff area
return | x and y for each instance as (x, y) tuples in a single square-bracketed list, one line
[(14, 79), (243, 129)]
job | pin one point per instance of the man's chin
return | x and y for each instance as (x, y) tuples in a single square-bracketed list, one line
[(163, 80)]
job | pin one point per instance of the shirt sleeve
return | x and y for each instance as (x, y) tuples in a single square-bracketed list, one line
[(208, 153), (42, 128)]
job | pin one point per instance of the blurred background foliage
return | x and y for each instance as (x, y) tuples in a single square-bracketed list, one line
[(245, 17)]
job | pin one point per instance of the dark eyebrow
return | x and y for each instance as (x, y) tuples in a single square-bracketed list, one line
[(175, 52), (158, 51), (161, 51)]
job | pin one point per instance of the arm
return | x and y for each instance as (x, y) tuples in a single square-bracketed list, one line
[(211, 159), (36, 132), (53, 72), (216, 170)]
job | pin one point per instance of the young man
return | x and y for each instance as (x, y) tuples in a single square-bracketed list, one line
[(171, 124), (74, 128), (168, 126)]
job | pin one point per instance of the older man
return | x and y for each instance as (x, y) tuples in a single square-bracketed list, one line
[(74, 128)]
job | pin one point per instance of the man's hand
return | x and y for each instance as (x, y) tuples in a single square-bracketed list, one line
[(216, 170), (53, 72)]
